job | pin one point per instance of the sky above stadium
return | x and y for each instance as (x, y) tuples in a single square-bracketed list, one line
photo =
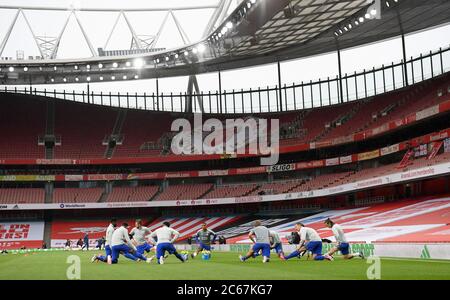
[(193, 23), (98, 25)]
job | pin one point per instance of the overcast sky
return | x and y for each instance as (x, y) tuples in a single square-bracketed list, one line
[(193, 22)]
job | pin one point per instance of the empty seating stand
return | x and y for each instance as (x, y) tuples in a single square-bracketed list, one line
[(77, 195), (280, 187), (207, 191), (21, 195), (141, 127), (22, 121), (132, 194), (231, 191), (184, 192), (82, 129)]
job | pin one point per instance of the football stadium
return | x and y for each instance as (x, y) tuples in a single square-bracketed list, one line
[(225, 140)]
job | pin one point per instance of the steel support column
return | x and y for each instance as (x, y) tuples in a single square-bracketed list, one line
[(220, 91), (405, 66), (341, 88), (402, 32), (8, 33), (280, 92), (157, 94)]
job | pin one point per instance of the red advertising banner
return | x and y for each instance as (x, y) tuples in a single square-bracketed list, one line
[(15, 235), (73, 231)]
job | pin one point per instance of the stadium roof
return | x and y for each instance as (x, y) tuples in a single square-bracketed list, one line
[(314, 28), (293, 23), (256, 32)]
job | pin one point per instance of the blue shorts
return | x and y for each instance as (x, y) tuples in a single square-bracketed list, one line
[(278, 248), (204, 246), (315, 247), (163, 247), (143, 248), (344, 248), (265, 248), (116, 250), (108, 250)]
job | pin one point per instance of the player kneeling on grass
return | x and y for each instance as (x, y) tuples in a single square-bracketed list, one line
[(121, 244), (140, 234), (204, 237), (342, 243), (108, 238), (260, 236), (275, 244), (309, 241), (166, 236)]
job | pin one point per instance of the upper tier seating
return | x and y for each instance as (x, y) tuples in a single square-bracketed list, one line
[(231, 191), (82, 129), (428, 98), (77, 195), (364, 116), (141, 127), (280, 187), (314, 123), (184, 192), (24, 195), (132, 194), (21, 123), (386, 108)]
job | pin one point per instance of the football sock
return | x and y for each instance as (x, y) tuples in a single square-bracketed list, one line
[(293, 254)]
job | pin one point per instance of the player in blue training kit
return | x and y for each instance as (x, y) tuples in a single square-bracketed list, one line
[(204, 237), (121, 244), (108, 237), (260, 236), (309, 241), (139, 234), (166, 237), (341, 240), (275, 244)]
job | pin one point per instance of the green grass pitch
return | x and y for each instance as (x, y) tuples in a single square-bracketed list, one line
[(222, 266)]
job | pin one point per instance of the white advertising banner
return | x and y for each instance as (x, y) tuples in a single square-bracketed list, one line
[(332, 161), (424, 251), (389, 150), (281, 168), (345, 159), (426, 113)]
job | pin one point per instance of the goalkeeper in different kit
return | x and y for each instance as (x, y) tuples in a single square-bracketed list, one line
[(204, 237)]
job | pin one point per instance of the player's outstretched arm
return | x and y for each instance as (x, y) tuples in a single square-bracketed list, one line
[(127, 240), (301, 245), (251, 236), (175, 234)]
